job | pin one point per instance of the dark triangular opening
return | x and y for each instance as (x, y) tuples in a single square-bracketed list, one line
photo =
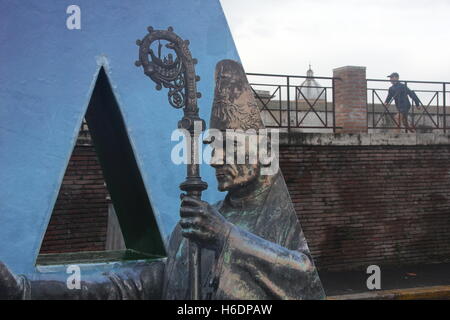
[(102, 164)]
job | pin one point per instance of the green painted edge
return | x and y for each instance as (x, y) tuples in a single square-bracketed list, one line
[(93, 257)]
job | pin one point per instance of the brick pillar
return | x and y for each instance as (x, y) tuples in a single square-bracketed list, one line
[(350, 99)]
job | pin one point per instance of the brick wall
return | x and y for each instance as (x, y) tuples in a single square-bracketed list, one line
[(358, 204), (80, 216), (362, 205)]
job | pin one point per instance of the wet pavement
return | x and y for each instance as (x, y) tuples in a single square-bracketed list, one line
[(398, 277)]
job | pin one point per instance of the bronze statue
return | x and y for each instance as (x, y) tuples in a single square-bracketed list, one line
[(252, 243)]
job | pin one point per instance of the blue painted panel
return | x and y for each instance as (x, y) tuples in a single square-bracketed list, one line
[(47, 75)]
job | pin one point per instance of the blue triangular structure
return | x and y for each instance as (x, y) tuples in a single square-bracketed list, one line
[(48, 73)]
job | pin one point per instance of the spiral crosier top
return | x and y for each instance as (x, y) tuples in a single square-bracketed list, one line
[(178, 75)]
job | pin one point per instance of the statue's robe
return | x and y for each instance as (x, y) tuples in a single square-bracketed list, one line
[(264, 257)]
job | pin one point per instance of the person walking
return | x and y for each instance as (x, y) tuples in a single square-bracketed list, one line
[(399, 92)]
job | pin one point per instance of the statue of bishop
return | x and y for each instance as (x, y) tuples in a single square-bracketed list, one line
[(252, 243)]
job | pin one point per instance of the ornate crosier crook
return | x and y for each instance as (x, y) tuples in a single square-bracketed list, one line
[(178, 75)]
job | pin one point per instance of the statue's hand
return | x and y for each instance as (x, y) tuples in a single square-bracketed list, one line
[(203, 224), (10, 285)]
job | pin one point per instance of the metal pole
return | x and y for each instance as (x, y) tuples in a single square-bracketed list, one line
[(326, 108), (437, 109), (373, 109), (194, 252), (334, 104), (444, 102), (288, 108)]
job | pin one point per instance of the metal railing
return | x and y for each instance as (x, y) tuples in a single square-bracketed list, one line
[(431, 115), (287, 102)]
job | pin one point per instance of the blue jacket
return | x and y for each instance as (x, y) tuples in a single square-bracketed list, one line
[(400, 92)]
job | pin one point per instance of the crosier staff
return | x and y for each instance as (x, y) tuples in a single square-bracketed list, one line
[(179, 77)]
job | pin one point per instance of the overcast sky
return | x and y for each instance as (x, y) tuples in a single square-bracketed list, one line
[(283, 36)]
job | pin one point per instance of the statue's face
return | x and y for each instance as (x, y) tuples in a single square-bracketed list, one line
[(233, 107), (231, 176)]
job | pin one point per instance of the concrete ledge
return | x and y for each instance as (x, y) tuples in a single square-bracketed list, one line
[(424, 293), (363, 139)]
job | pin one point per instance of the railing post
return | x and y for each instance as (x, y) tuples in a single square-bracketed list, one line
[(288, 105), (444, 102), (334, 103), (373, 109), (437, 108), (326, 107)]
